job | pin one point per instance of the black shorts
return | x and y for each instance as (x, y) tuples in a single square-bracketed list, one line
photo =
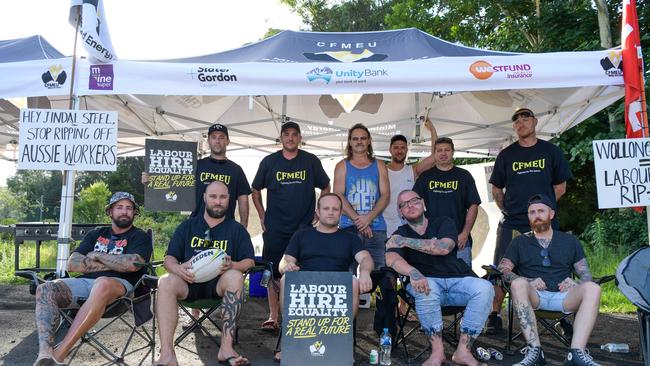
[(275, 244), (205, 290)]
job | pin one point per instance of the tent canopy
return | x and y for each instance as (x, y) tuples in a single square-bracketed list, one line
[(329, 81)]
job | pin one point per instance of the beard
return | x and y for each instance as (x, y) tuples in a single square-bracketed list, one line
[(123, 222), (217, 212), (540, 226), (399, 161)]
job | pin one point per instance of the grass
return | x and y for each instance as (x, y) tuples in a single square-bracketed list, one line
[(602, 262)]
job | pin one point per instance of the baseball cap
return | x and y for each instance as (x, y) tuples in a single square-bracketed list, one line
[(218, 127), (118, 196), (520, 111), (288, 125), (541, 198)]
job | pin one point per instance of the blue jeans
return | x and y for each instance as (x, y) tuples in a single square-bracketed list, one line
[(466, 253), (376, 246), (474, 293)]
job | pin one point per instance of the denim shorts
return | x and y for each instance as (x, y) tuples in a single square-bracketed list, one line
[(80, 288), (552, 301)]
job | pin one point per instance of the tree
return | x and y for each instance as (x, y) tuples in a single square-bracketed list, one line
[(89, 207), (342, 16), (40, 191)]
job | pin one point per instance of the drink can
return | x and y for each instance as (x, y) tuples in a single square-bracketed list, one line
[(482, 353), (374, 357), (495, 354)]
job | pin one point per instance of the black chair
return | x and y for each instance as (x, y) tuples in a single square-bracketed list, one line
[(133, 310)]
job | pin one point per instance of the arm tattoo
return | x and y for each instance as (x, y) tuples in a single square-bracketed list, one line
[(232, 304), (582, 270), (82, 264), (416, 275), (120, 262), (50, 297), (527, 321), (506, 266), (429, 246)]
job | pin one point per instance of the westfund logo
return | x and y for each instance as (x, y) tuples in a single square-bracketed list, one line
[(484, 70)]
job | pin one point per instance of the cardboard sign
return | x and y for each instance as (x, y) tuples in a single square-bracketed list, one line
[(59, 139), (317, 319), (171, 166), (622, 172)]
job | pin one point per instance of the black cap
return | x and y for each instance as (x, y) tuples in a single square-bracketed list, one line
[(397, 138), (288, 125), (118, 196), (218, 127), (541, 198), (520, 110)]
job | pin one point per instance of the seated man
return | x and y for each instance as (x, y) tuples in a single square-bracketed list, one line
[(544, 259), (425, 250), (328, 248), (106, 258), (210, 230)]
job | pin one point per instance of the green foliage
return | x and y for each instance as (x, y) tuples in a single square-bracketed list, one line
[(31, 187), (603, 260), (616, 230), (126, 178), (12, 207), (163, 225), (89, 207), (342, 16)]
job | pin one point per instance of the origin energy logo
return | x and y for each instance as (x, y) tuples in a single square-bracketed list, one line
[(484, 70)]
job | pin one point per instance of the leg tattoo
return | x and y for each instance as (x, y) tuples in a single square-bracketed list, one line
[(53, 296), (232, 304), (467, 340), (526, 318)]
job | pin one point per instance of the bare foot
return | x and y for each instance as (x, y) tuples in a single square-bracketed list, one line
[(435, 360), (465, 358), (167, 361)]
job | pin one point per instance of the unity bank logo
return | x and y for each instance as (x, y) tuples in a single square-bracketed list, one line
[(324, 73), (612, 64), (317, 349), (210, 77), (101, 77), (484, 70), (54, 77)]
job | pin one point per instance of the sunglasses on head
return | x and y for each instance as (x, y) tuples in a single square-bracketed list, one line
[(524, 114), (546, 262)]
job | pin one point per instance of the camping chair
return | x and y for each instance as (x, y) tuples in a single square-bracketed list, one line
[(449, 332), (133, 310), (209, 306), (548, 321)]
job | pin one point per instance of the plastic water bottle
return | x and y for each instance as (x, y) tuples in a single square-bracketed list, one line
[(374, 357), (616, 347), (385, 345)]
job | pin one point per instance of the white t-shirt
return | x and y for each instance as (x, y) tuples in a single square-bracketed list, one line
[(399, 181)]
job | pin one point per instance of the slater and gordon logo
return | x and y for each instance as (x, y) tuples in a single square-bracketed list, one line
[(484, 70), (210, 77), (101, 77)]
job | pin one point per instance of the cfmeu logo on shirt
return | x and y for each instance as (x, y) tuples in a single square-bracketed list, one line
[(453, 184), (285, 176), (521, 165)]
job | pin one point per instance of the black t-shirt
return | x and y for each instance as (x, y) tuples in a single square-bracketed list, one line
[(526, 171), (208, 170), (448, 193), (290, 197), (317, 251), (439, 266), (134, 241), (525, 253), (194, 235)]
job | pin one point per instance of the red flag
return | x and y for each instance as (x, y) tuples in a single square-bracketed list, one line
[(636, 121)]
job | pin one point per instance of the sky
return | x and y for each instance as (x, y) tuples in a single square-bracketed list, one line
[(150, 29)]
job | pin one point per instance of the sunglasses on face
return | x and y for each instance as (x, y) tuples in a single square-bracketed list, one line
[(412, 202), (524, 114), (546, 262), (361, 138)]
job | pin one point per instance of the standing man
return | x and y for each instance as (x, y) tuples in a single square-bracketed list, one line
[(450, 191), (528, 166), (425, 250), (289, 176), (362, 183), (106, 260), (212, 229), (402, 176), (544, 260)]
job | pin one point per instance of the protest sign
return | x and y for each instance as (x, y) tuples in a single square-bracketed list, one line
[(58, 139), (171, 166), (317, 319), (622, 172)]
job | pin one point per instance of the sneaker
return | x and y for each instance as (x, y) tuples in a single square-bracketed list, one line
[(494, 324), (534, 357), (579, 357)]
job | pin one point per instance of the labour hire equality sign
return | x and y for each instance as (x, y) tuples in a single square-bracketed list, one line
[(57, 139), (622, 172)]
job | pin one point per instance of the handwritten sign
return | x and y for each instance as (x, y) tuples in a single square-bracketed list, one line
[(317, 319), (58, 139), (171, 166), (622, 172)]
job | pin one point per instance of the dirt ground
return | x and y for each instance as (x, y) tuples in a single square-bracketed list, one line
[(18, 342)]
